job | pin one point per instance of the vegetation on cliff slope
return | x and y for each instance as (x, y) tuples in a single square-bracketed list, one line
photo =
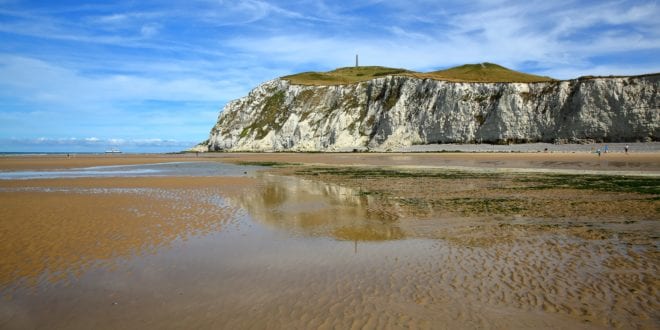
[(343, 76), (483, 72)]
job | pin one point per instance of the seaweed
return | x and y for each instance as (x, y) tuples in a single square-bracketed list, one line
[(612, 183)]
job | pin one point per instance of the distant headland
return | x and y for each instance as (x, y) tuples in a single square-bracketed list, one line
[(380, 108)]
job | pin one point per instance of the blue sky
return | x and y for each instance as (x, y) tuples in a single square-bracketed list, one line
[(153, 75)]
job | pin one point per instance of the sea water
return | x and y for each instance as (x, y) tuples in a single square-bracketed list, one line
[(158, 169)]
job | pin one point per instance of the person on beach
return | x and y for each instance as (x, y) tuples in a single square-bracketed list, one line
[(626, 148), (605, 149), (598, 152)]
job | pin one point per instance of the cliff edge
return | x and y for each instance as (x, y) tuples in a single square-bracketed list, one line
[(402, 108)]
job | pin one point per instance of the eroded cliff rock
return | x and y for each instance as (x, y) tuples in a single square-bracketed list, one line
[(397, 111)]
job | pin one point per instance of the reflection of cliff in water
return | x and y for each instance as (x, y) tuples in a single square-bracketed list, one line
[(318, 209)]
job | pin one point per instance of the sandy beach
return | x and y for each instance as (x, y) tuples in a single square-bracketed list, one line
[(640, 163), (52, 162), (431, 240), (302, 165), (648, 163)]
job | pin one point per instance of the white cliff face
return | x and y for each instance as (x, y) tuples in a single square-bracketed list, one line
[(400, 111)]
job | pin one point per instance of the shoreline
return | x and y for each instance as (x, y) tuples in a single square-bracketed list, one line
[(613, 147), (536, 147), (577, 163)]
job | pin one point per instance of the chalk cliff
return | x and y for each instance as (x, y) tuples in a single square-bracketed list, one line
[(397, 110)]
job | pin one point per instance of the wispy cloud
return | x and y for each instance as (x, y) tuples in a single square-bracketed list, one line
[(43, 82), (149, 30), (138, 70), (94, 141), (93, 144)]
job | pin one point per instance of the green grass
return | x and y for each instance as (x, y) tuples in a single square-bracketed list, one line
[(269, 119), (483, 72), (342, 76)]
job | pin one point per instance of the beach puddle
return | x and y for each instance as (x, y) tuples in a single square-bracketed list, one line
[(275, 251), (198, 168), (316, 209)]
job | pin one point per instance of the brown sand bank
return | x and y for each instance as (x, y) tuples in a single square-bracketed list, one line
[(649, 162), (585, 247), (332, 246), (13, 163), (60, 227), (509, 243)]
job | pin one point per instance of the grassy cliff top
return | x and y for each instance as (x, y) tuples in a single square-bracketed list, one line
[(343, 76), (483, 72)]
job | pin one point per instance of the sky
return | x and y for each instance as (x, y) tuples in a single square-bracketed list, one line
[(152, 76)]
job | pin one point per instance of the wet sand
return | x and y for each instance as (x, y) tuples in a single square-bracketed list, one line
[(634, 162), (314, 247), (639, 163), (53, 162), (55, 229)]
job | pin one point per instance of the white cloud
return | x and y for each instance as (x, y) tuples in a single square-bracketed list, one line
[(575, 71), (53, 101), (507, 32), (132, 71), (112, 19), (97, 141), (149, 30), (45, 82)]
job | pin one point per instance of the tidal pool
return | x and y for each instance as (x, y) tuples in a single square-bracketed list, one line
[(197, 168), (261, 250)]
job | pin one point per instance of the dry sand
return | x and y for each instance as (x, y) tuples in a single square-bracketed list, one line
[(308, 249)]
